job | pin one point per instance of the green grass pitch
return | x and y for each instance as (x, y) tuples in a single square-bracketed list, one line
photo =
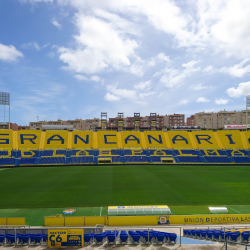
[(35, 192)]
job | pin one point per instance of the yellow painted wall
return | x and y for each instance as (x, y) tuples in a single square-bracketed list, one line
[(54, 221), (15, 221), (92, 221), (132, 220), (75, 221), (3, 221), (209, 219)]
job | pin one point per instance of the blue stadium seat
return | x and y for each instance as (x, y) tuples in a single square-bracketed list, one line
[(241, 159), (7, 161), (186, 152), (82, 153), (217, 159), (52, 160), (155, 158), (123, 237), (135, 159), (189, 159), (28, 161), (82, 160), (134, 237)]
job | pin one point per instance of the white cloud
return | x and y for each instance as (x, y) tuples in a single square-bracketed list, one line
[(223, 25), (243, 89), (55, 23), (143, 85), (9, 53), (115, 93), (81, 77), (202, 99), (221, 101), (100, 44), (237, 70), (33, 45), (109, 97), (161, 57), (95, 78), (208, 69), (184, 102), (198, 87), (173, 77)]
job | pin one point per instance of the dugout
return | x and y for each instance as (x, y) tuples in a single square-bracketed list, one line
[(138, 210)]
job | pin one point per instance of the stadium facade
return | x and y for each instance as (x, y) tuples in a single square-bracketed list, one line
[(36, 147)]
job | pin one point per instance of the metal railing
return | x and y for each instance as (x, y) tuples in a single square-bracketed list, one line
[(96, 230), (224, 228)]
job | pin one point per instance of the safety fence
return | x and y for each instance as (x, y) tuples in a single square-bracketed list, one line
[(228, 235), (12, 221), (146, 220), (99, 235)]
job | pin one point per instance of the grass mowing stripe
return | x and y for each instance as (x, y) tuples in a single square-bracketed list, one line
[(66, 187)]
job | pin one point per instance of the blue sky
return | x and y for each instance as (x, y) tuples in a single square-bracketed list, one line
[(67, 59)]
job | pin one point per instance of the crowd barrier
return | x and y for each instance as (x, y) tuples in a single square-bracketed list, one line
[(147, 220), (18, 221), (75, 221)]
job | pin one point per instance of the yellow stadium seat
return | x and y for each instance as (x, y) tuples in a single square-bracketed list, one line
[(247, 136), (205, 139), (155, 139), (29, 139), (131, 139), (179, 139), (56, 139), (107, 139), (230, 139), (82, 139), (6, 139)]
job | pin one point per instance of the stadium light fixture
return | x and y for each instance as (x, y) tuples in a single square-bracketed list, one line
[(247, 106), (5, 100)]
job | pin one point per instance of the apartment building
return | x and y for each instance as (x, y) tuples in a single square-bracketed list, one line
[(190, 121), (78, 124), (176, 120), (206, 120), (129, 123)]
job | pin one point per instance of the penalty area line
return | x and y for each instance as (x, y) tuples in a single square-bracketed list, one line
[(233, 209)]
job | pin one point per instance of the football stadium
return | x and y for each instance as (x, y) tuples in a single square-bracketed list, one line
[(127, 178)]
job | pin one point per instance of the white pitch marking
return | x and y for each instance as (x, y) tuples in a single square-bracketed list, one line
[(3, 169), (234, 210), (101, 212)]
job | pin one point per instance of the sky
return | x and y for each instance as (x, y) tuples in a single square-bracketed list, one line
[(68, 59)]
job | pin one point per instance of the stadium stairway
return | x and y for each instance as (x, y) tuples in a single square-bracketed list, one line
[(17, 162), (38, 159), (149, 159), (201, 156), (176, 159), (95, 159)]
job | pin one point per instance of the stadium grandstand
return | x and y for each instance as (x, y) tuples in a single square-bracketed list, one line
[(62, 147)]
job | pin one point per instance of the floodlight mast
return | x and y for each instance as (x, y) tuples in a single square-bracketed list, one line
[(9, 110), (247, 106), (5, 100)]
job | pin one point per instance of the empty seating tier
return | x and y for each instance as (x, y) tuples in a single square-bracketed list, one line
[(6, 139), (107, 139), (56, 139), (179, 139), (82, 139), (155, 139), (230, 139), (205, 139), (29, 139), (131, 139)]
